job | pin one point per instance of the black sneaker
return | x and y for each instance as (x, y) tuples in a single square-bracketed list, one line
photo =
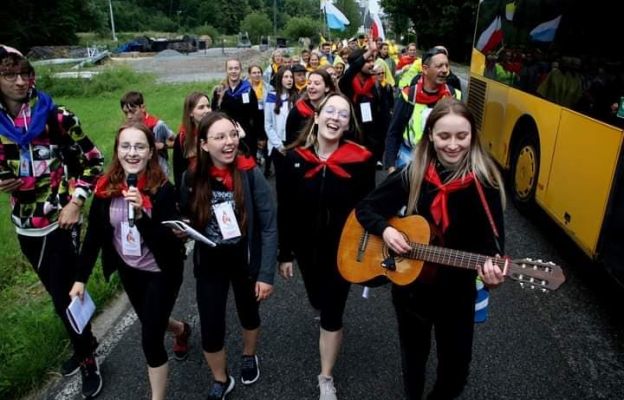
[(72, 365), (91, 378), (220, 390), (250, 372)]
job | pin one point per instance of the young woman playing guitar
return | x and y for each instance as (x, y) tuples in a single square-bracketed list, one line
[(443, 182)]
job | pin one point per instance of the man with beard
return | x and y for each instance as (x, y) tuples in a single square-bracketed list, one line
[(414, 105), (358, 84), (48, 166)]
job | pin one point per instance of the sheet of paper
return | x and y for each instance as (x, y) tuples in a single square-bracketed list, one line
[(79, 312), (186, 228)]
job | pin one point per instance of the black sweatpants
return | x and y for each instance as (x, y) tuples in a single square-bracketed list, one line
[(215, 269), (153, 295), (448, 308), (54, 258)]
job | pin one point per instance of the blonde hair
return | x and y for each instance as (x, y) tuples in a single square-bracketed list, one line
[(477, 161)]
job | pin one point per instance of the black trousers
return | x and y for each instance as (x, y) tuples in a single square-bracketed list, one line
[(54, 258), (216, 269), (447, 307), (153, 295)]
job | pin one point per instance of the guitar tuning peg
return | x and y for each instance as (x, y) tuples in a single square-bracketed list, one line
[(544, 290), (539, 260)]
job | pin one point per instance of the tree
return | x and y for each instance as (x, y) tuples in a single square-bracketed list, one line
[(351, 10), (256, 24), (232, 12), (450, 23), (297, 27)]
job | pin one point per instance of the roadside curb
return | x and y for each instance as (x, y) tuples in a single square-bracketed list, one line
[(117, 313)]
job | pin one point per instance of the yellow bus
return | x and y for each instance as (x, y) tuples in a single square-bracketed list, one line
[(547, 89)]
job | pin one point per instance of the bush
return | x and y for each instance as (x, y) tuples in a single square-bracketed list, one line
[(210, 31), (109, 80), (256, 24), (301, 27)]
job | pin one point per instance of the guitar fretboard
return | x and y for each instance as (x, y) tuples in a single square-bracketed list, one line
[(454, 258)]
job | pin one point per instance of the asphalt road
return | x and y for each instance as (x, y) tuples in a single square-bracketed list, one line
[(559, 346)]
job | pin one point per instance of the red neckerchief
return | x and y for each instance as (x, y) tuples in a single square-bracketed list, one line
[(347, 153), (104, 190), (224, 175), (422, 97), (362, 88), (305, 108), (150, 121), (405, 60), (439, 210)]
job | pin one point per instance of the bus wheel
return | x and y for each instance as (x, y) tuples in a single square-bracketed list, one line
[(524, 172)]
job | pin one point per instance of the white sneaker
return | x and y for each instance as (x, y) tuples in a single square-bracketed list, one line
[(326, 387)]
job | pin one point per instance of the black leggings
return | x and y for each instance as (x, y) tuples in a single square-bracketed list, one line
[(449, 310), (215, 270), (54, 258), (327, 290), (153, 295)]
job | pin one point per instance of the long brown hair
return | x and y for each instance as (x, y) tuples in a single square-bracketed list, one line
[(280, 89), (309, 134), (153, 172), (476, 160), (200, 203), (189, 146)]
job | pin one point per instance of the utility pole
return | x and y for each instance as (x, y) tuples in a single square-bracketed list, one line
[(110, 7), (275, 21)]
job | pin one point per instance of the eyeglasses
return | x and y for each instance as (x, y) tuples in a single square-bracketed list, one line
[(138, 148), (221, 137), (340, 114), (12, 76)]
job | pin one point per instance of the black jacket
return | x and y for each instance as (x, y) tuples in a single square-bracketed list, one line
[(168, 250), (312, 211)]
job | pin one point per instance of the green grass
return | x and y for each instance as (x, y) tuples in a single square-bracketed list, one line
[(33, 342)]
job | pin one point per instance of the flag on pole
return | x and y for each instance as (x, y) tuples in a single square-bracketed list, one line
[(491, 37), (545, 32), (335, 18), (377, 30), (510, 10)]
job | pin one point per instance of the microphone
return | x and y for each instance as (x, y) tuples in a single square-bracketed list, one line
[(131, 180)]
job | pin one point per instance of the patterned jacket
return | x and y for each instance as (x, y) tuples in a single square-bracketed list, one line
[(56, 165)]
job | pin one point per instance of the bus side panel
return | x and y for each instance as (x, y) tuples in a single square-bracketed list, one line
[(581, 177), (494, 135), (500, 121)]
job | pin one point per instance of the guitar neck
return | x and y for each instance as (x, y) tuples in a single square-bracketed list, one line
[(453, 258)]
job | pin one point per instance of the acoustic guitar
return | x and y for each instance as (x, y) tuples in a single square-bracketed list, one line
[(363, 257)]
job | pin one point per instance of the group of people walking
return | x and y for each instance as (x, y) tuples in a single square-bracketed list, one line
[(324, 144)]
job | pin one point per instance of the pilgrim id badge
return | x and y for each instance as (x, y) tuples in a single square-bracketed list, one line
[(130, 240), (365, 109), (224, 213), (245, 98)]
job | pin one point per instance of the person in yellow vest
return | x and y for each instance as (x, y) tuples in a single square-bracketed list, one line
[(413, 107)]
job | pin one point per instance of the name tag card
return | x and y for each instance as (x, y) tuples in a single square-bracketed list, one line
[(130, 240), (245, 98), (224, 213), (365, 109)]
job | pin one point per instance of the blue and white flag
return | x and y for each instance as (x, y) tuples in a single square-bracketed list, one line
[(545, 32), (335, 18)]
